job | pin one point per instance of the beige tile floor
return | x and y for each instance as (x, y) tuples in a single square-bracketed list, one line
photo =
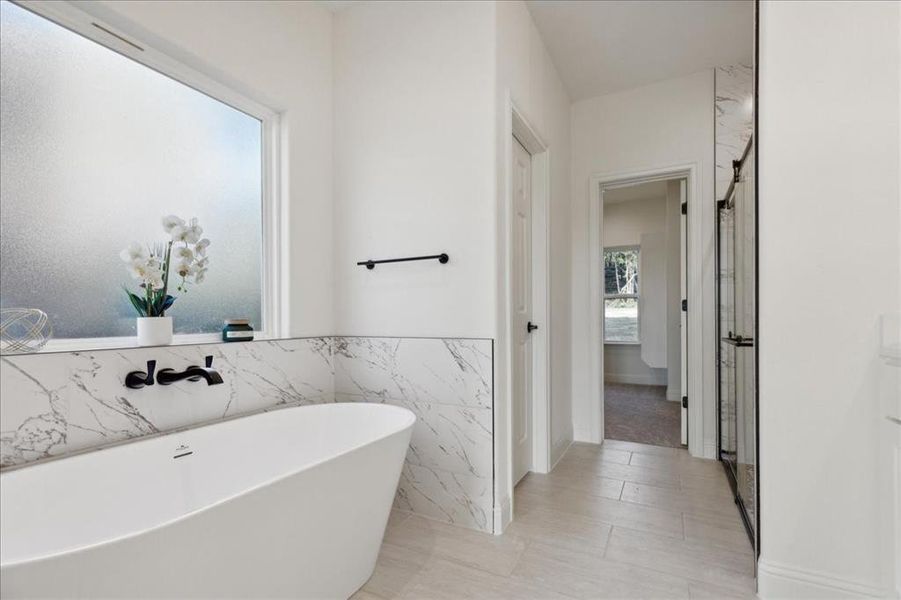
[(622, 520)]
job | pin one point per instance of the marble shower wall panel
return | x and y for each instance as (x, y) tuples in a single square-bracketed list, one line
[(448, 384), (54, 404), (734, 119)]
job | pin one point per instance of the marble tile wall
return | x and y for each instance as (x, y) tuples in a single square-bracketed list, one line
[(733, 87), (447, 383), (55, 404)]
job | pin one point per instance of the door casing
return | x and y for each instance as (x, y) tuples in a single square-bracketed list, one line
[(544, 449), (697, 313)]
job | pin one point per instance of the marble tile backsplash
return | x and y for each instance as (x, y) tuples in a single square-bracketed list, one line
[(56, 404), (733, 88)]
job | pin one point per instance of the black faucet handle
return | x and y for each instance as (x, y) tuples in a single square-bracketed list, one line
[(209, 361), (138, 379)]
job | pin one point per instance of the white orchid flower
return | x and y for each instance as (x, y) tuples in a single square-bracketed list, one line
[(137, 270), (178, 233), (154, 279), (188, 260), (183, 254), (193, 232), (134, 252), (171, 222)]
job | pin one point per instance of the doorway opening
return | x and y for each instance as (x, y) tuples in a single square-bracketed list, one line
[(643, 281)]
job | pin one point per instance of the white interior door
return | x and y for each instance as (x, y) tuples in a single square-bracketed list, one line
[(522, 311), (683, 329)]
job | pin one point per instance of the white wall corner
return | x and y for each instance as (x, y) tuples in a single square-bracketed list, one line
[(503, 515), (673, 393), (709, 449), (778, 580), (582, 434), (560, 449)]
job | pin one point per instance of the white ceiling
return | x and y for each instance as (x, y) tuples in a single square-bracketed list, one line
[(640, 191), (600, 47)]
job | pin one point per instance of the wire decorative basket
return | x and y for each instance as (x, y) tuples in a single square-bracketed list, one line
[(24, 330)]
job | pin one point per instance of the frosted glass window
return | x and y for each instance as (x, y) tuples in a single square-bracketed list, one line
[(95, 149)]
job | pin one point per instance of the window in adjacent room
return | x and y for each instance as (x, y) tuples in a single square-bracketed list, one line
[(621, 290), (97, 146)]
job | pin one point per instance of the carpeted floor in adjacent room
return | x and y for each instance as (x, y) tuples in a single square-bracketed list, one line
[(641, 413)]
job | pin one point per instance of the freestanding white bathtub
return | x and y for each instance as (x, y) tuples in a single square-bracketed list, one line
[(290, 503)]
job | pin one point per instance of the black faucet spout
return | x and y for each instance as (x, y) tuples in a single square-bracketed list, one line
[(192, 373)]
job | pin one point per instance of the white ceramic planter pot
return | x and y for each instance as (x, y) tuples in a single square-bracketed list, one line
[(154, 331)]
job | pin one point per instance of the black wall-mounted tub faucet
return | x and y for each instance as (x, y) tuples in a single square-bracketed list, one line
[(192, 373)]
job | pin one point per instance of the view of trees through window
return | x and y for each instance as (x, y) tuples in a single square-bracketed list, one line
[(621, 281)]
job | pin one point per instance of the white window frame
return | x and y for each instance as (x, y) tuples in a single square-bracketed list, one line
[(273, 211), (636, 296)]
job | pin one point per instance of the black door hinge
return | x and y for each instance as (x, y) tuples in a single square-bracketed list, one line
[(685, 208), (685, 305), (684, 401)]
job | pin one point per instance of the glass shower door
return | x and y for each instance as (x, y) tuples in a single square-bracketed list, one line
[(737, 321)]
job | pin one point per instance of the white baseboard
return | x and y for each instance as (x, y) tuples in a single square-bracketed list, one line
[(778, 580), (503, 515), (633, 379), (709, 450), (673, 394), (560, 451)]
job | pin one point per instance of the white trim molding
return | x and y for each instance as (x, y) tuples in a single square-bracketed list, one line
[(503, 515), (778, 580), (634, 379)]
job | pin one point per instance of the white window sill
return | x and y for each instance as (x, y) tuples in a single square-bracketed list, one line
[(116, 343), (619, 343)]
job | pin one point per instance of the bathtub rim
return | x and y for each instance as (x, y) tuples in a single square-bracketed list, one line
[(408, 424)]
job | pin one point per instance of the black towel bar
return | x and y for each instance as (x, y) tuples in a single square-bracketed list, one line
[(370, 264)]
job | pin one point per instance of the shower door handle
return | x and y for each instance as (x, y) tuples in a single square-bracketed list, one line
[(739, 341)]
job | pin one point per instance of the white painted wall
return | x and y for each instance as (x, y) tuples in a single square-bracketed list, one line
[(624, 222), (656, 126), (623, 364), (652, 301), (421, 136), (673, 291), (624, 225), (279, 54), (527, 77), (828, 194), (414, 168)]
